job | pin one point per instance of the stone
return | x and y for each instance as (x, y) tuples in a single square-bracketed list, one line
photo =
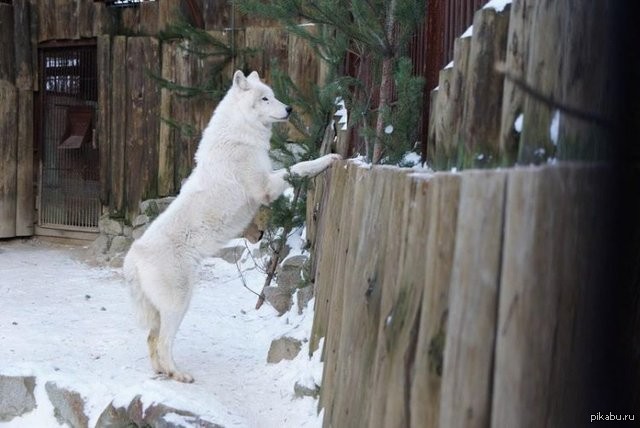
[(100, 245), (156, 415), (301, 389), (289, 273), (68, 406), (119, 245), (109, 226), (231, 254), (139, 231), (16, 396), (280, 298), (140, 220), (303, 297), (283, 348)]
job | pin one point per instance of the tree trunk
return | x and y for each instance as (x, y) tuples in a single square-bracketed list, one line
[(386, 85)]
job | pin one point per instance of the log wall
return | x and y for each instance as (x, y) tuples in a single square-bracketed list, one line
[(141, 154), (546, 45), (465, 300)]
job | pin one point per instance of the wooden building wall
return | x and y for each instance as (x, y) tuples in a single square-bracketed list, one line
[(141, 155)]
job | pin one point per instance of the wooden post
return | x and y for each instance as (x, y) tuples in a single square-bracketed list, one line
[(516, 62), (455, 108), (119, 123), (438, 265), (555, 246), (544, 65), (470, 332), (442, 127), (166, 158), (343, 212), (7, 55), (483, 89), (143, 122), (9, 156), (24, 157), (22, 45), (103, 125)]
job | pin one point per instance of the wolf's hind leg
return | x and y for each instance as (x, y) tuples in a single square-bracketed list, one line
[(152, 342), (169, 322)]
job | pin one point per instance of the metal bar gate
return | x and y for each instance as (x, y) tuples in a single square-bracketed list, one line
[(69, 191)]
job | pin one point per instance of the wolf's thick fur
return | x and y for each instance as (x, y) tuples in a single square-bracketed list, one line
[(232, 178)]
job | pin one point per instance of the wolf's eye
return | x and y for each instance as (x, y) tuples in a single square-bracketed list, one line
[(265, 99)]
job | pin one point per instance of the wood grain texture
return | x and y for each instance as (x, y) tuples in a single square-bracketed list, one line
[(9, 156), (25, 183)]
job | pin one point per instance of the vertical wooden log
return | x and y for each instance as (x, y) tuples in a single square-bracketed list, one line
[(103, 125), (270, 45), (455, 107), (22, 44), (168, 12), (24, 173), (554, 247), (516, 62), (431, 136), (364, 283), (149, 17), (166, 149), (544, 65), (444, 153), (119, 123), (587, 38), (442, 215), (65, 14), (327, 253), (7, 57), (85, 18), (330, 352), (401, 326), (143, 125), (8, 154), (470, 332), (483, 89)]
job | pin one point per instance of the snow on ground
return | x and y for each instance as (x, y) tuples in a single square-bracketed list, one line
[(64, 320)]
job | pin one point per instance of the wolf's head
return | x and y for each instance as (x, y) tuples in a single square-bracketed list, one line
[(256, 100)]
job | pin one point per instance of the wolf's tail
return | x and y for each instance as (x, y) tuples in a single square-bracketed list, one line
[(146, 312)]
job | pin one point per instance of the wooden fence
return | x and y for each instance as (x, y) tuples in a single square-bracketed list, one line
[(458, 300), (561, 51)]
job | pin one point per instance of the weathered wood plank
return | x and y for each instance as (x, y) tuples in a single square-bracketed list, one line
[(22, 44), (103, 125), (85, 17), (470, 332), (24, 173), (325, 251), (168, 12), (149, 17), (398, 329), (143, 124), (270, 44), (554, 247), (166, 158), (452, 138), (119, 124), (431, 136), (364, 286), (442, 215), (331, 347), (8, 154), (7, 56), (516, 63), (544, 65), (444, 152), (483, 89)]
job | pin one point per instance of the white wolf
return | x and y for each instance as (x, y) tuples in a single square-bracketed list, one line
[(233, 176)]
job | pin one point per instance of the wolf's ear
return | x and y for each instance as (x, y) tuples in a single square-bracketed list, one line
[(254, 76), (240, 81)]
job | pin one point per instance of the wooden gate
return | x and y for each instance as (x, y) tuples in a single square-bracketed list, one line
[(69, 191)]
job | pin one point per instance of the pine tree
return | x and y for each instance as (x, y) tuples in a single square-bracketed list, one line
[(377, 31)]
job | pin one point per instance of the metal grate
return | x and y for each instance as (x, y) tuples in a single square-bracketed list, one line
[(70, 175)]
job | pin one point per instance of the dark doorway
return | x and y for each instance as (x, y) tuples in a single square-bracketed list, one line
[(69, 191)]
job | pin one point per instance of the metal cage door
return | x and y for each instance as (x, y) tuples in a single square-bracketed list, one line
[(69, 191)]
